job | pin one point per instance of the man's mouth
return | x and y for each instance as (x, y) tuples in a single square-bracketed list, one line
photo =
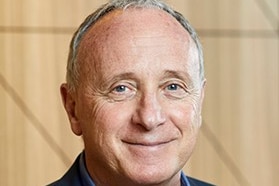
[(147, 143)]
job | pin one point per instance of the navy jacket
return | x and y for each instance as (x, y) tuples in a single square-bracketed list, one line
[(73, 178)]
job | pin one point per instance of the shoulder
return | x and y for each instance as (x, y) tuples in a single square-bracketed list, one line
[(71, 177), (196, 182)]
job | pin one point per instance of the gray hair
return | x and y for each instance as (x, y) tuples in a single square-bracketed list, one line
[(73, 67)]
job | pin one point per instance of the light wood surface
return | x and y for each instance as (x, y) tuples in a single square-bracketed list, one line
[(238, 142)]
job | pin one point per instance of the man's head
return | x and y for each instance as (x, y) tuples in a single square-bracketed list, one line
[(134, 92), (72, 67)]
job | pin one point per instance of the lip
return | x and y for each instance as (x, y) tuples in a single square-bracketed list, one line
[(145, 149), (147, 143)]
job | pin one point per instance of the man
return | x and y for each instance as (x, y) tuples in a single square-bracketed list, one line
[(134, 92)]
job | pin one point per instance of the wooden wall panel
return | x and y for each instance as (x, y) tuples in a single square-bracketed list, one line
[(243, 87), (239, 136)]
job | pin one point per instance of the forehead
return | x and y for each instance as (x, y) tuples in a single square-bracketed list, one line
[(133, 31), (123, 24)]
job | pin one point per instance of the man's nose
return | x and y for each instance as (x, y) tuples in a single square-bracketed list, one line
[(149, 113)]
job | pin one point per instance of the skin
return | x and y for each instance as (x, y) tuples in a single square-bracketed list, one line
[(138, 101)]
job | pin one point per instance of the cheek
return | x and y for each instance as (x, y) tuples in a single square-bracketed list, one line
[(181, 113), (109, 121), (101, 131), (112, 115), (183, 116), (186, 116), (103, 138)]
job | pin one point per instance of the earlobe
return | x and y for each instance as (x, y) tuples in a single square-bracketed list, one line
[(69, 103)]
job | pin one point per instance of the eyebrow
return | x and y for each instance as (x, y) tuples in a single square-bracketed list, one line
[(182, 75), (125, 75), (167, 74), (112, 79), (177, 74)]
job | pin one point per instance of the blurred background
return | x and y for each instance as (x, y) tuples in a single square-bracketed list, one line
[(238, 142)]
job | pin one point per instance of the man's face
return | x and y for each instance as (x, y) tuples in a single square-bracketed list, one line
[(139, 99)]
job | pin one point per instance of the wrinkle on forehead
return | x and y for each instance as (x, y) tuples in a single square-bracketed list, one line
[(139, 27)]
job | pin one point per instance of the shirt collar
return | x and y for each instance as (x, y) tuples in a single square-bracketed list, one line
[(184, 180), (86, 179)]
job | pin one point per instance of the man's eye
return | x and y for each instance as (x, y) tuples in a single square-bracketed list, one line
[(120, 88), (173, 87), (175, 90), (122, 92)]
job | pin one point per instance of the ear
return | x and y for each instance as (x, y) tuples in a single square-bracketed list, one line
[(69, 102), (201, 101), (203, 90)]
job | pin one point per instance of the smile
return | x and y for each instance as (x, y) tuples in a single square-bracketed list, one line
[(148, 144)]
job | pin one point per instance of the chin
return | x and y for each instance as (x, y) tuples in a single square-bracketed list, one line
[(153, 175)]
